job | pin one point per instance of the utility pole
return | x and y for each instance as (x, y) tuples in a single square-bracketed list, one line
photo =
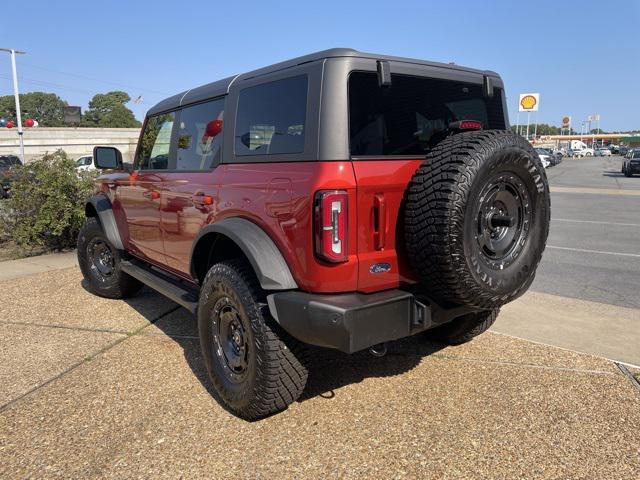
[(16, 95)]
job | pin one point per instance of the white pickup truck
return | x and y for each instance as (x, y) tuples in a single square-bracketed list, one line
[(580, 149)]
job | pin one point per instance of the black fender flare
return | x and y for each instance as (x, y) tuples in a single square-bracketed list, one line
[(102, 205), (266, 259)]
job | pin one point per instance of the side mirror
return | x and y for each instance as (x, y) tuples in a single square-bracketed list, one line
[(108, 158)]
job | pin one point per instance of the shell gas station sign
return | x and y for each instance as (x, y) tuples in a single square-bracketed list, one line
[(529, 102)]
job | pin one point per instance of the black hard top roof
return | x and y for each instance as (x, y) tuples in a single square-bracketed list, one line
[(221, 87)]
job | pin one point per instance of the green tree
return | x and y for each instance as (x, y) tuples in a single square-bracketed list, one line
[(543, 129), (46, 108), (109, 110)]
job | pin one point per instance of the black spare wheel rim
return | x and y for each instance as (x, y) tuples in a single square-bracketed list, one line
[(503, 217), (101, 260), (230, 339)]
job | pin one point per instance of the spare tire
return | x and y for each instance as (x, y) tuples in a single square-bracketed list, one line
[(477, 219)]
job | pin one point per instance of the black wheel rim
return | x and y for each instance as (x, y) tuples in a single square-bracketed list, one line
[(230, 340), (502, 220), (101, 261)]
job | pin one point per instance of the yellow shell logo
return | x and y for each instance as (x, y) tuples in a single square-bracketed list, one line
[(528, 102)]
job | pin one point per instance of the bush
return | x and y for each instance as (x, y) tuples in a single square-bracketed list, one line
[(46, 206)]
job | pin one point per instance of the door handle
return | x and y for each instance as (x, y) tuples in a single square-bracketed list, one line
[(379, 221), (151, 194)]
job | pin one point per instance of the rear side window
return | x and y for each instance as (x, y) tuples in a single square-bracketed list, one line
[(199, 143), (271, 118), (156, 142), (413, 114)]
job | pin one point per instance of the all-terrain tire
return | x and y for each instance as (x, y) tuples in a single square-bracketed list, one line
[(100, 264), (467, 184), (465, 328), (272, 374)]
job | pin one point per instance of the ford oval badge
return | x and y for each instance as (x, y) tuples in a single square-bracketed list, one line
[(383, 267)]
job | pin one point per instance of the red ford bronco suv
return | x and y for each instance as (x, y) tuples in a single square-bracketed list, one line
[(341, 199)]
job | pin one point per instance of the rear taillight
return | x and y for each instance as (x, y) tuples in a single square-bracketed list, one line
[(330, 217)]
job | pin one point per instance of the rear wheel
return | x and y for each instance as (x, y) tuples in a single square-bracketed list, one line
[(100, 264), (255, 369), (477, 219)]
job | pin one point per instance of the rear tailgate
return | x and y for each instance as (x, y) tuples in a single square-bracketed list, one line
[(380, 192), (392, 128)]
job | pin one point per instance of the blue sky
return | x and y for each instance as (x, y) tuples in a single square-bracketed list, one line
[(583, 57)]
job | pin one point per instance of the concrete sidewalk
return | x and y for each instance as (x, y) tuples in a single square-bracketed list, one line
[(22, 267), (91, 387), (597, 328)]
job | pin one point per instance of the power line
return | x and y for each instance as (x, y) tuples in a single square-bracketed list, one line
[(53, 85), (95, 79), (49, 84)]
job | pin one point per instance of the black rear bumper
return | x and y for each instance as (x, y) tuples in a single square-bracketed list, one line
[(354, 321)]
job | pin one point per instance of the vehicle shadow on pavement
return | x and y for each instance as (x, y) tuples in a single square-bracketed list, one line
[(612, 173), (329, 370)]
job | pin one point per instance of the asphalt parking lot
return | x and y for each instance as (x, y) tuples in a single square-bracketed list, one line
[(586, 293), (96, 388), (593, 251)]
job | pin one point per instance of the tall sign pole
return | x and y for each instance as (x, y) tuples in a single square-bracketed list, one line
[(17, 97)]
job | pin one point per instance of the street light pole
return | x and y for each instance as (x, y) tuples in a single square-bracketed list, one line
[(16, 95)]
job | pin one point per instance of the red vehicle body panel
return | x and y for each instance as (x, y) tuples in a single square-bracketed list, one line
[(381, 186), (160, 214)]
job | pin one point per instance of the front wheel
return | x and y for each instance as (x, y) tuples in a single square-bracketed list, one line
[(100, 264), (253, 370)]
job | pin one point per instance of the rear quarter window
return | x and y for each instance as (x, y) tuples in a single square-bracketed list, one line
[(271, 118)]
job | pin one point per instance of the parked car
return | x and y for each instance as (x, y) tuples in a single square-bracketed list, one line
[(631, 163), (613, 149), (603, 152), (583, 152), (623, 151), (544, 156), (85, 163), (293, 205), (555, 155), (7, 164)]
